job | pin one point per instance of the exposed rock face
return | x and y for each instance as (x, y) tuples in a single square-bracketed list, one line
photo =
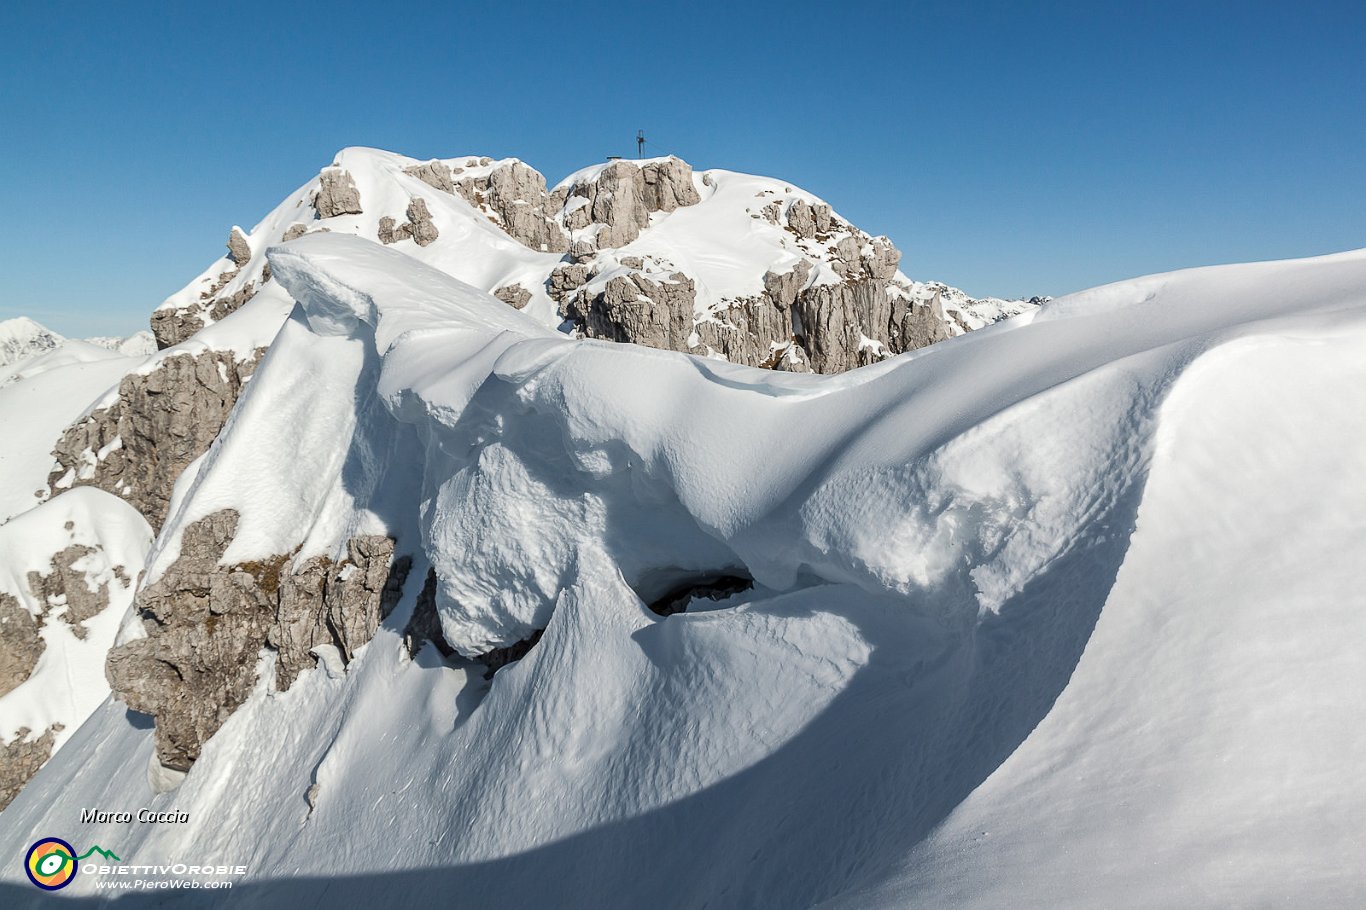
[(634, 308), (668, 185), (172, 326), (420, 222), (875, 258), (207, 624), (419, 226), (337, 194), (514, 295), (21, 759), (436, 174), (238, 250), (20, 644), (565, 279), (842, 307), (622, 196), (390, 232), (808, 221), (826, 328), (65, 586), (833, 321), (514, 197), (162, 421)]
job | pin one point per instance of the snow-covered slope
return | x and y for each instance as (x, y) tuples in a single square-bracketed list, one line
[(138, 344), (27, 348), (21, 337), (67, 578), (1061, 613), (48, 393)]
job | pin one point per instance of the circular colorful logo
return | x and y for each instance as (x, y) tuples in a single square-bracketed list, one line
[(51, 863)]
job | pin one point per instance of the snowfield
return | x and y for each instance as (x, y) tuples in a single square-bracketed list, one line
[(1064, 612)]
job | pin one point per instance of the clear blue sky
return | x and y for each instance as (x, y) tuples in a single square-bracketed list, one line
[(1008, 148)]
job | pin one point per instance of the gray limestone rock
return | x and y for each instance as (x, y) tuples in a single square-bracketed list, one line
[(337, 194), (622, 196), (566, 279), (668, 185), (390, 231), (873, 258), (207, 624), (64, 585), (513, 196), (223, 306), (420, 223), (658, 314), (809, 221), (514, 295), (435, 174), (20, 643), (21, 759), (618, 204), (238, 249), (172, 326), (162, 421), (294, 232)]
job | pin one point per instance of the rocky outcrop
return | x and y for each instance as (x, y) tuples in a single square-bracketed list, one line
[(20, 644), (635, 308), (420, 222), (436, 174), (238, 249), (172, 325), (514, 295), (418, 227), (793, 325), (566, 279), (621, 196), (162, 421), (513, 196), (808, 221), (21, 759), (855, 258), (207, 624), (337, 194), (855, 323), (64, 588)]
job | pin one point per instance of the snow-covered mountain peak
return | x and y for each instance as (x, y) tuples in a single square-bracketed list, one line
[(726, 265), (21, 337)]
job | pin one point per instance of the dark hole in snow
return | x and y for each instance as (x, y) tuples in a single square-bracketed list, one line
[(425, 625), (139, 721), (498, 658), (712, 587)]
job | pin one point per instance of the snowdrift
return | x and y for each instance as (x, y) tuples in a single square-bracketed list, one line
[(1061, 612)]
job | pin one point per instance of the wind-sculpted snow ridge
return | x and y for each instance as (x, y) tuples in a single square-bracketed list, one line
[(1060, 613)]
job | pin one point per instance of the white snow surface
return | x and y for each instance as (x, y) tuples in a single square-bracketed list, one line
[(1061, 613), (28, 348), (68, 682), (21, 338), (49, 392)]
